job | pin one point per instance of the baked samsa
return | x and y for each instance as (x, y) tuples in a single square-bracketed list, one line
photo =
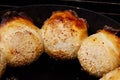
[(63, 33), (2, 63), (21, 39), (112, 75), (100, 53)]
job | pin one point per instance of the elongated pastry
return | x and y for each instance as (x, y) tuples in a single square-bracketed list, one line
[(100, 53), (112, 75), (20, 38), (63, 33), (2, 63)]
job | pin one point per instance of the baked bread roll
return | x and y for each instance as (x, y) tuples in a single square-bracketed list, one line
[(99, 53), (112, 75), (2, 63), (63, 33), (21, 39)]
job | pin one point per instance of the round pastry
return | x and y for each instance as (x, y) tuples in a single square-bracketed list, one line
[(112, 75), (63, 33), (99, 53), (21, 39)]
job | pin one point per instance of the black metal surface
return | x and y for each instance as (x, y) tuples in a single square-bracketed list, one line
[(46, 68), (109, 8)]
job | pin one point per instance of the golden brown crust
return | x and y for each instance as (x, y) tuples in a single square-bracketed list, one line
[(112, 75), (11, 15), (65, 17), (99, 53), (21, 41), (63, 33), (2, 63)]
